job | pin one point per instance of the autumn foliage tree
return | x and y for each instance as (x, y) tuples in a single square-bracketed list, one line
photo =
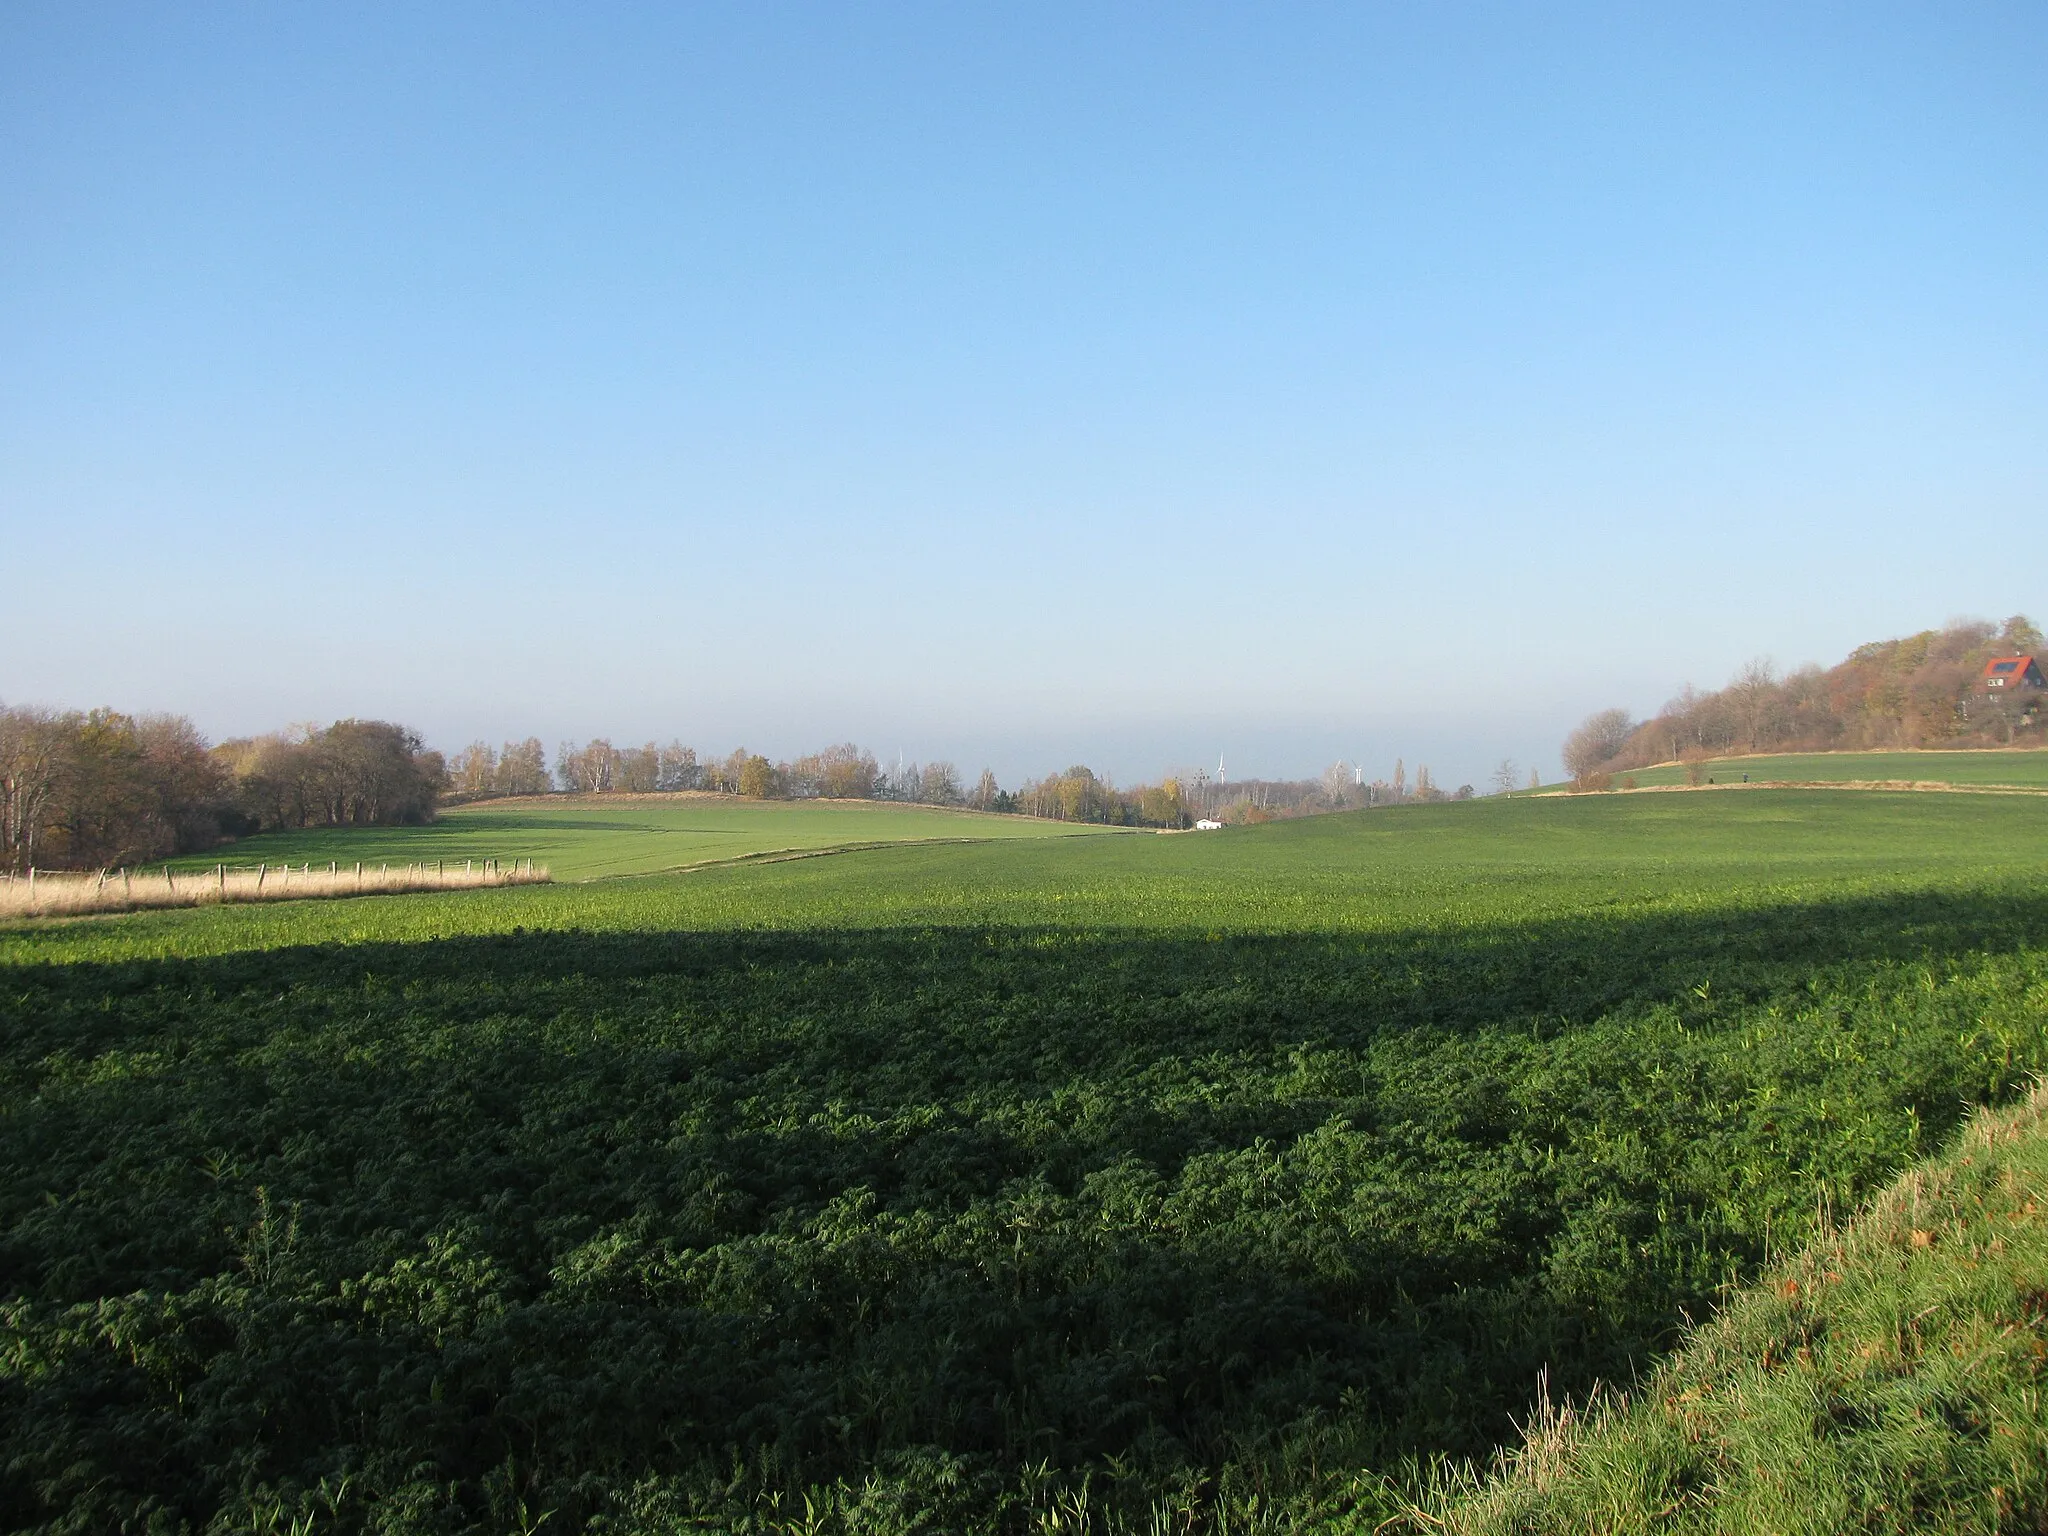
[(98, 788), (1918, 691), (756, 777), (354, 773), (84, 789)]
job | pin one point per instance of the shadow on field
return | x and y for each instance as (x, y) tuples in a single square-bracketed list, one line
[(548, 1215)]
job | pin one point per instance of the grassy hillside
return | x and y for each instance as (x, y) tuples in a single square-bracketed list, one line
[(2018, 770), (965, 1188), (583, 837), (1887, 1378)]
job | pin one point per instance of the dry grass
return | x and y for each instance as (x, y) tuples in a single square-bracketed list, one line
[(45, 894)]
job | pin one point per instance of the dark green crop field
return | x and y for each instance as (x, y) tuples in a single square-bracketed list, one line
[(1200, 1182)]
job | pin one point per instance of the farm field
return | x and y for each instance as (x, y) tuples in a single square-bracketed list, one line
[(585, 837), (1202, 1182), (2013, 769)]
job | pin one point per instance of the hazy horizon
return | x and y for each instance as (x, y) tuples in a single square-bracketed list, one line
[(1084, 385)]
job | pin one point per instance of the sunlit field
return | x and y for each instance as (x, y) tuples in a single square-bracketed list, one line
[(2014, 769), (1212, 1181), (583, 837)]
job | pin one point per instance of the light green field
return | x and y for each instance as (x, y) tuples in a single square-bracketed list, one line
[(1443, 866), (587, 837), (2018, 770)]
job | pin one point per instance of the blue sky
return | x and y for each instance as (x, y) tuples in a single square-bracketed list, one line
[(1018, 385)]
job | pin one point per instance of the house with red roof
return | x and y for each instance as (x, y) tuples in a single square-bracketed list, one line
[(2011, 674)]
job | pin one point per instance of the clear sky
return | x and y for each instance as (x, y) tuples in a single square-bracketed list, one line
[(1020, 385)]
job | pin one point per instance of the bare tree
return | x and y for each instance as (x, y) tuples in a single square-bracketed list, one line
[(1336, 783), (522, 768), (1596, 741), (2019, 635), (941, 784), (639, 771), (474, 770), (842, 772), (677, 767), (32, 764), (985, 790), (1755, 694), (1505, 777)]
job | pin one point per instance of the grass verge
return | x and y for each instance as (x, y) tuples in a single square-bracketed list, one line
[(1887, 1378)]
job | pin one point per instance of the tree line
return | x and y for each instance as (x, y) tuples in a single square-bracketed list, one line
[(850, 772), (92, 789), (98, 788), (1342, 786), (1918, 691), (843, 772)]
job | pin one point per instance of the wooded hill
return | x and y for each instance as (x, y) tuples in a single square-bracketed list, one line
[(1919, 691)]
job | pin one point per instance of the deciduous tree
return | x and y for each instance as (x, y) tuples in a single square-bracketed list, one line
[(756, 778), (677, 769), (473, 772), (523, 768), (1596, 741)]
